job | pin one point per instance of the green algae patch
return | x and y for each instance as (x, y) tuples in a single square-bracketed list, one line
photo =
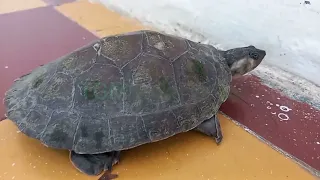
[(198, 69), (89, 94), (164, 84)]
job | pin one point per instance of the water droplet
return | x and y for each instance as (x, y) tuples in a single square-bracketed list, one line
[(13, 164), (283, 117), (285, 108)]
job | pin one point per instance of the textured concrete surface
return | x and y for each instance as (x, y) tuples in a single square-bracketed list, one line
[(47, 33)]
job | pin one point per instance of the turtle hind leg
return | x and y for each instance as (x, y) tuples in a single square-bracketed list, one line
[(211, 127), (115, 158), (94, 164)]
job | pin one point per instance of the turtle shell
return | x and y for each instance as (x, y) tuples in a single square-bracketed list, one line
[(120, 92)]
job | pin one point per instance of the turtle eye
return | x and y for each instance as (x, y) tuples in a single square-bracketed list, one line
[(254, 55)]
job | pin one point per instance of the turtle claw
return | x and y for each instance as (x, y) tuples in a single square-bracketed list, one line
[(219, 139), (116, 158), (108, 176), (113, 159), (218, 135), (211, 127)]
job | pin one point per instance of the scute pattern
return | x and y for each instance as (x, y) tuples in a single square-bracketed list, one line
[(121, 49), (166, 46), (145, 92), (222, 75), (36, 123), (127, 131), (120, 92), (93, 134), (57, 93), (79, 61), (191, 88), (23, 86), (60, 130), (106, 86)]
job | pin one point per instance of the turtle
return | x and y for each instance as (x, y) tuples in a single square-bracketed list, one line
[(125, 90)]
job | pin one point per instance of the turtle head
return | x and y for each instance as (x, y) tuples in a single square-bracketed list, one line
[(244, 59)]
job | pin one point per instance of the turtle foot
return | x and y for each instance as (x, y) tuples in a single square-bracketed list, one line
[(94, 164), (108, 176), (115, 158), (211, 127)]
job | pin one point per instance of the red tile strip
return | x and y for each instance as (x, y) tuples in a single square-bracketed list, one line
[(292, 126), (33, 37)]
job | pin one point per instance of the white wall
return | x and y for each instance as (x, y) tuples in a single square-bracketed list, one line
[(288, 30)]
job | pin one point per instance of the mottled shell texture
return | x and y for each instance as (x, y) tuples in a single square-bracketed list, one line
[(120, 92)]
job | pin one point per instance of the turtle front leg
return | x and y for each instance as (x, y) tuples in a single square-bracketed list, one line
[(211, 127), (94, 164)]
